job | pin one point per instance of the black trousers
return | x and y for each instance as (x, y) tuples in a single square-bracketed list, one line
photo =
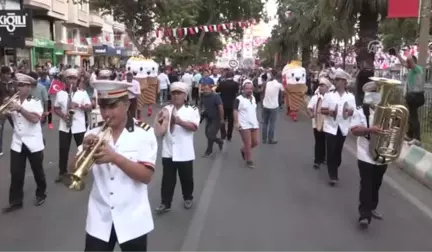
[(335, 145), (414, 101), (320, 146), (94, 244), (133, 107), (50, 112), (371, 177), (229, 119), (17, 170), (195, 95), (169, 179), (65, 139), (211, 131)]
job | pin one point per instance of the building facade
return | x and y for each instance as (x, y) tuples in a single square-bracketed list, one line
[(68, 34)]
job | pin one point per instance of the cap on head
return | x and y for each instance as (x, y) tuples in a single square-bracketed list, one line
[(325, 81), (71, 72), (107, 89), (247, 82), (24, 78), (179, 86), (370, 87), (341, 74)]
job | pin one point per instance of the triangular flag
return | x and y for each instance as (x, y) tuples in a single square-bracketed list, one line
[(403, 8), (205, 28), (191, 30), (215, 28), (210, 27), (185, 32), (224, 26), (196, 29), (174, 32)]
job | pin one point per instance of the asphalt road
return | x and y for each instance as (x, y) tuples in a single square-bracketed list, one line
[(282, 204)]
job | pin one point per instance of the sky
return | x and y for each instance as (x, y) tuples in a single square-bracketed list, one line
[(271, 8)]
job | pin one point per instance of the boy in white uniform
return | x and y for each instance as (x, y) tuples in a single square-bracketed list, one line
[(371, 172), (320, 137), (27, 143), (119, 209)]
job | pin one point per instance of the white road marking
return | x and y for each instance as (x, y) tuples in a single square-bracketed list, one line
[(399, 188)]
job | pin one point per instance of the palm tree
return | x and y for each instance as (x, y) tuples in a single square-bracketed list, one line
[(367, 13)]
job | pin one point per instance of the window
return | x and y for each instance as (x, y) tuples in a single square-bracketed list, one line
[(81, 7)]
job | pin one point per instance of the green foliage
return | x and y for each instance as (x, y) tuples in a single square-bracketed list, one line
[(399, 32)]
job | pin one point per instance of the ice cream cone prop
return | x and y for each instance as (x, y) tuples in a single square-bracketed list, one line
[(294, 78)]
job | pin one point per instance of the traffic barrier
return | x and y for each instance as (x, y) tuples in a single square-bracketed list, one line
[(416, 162)]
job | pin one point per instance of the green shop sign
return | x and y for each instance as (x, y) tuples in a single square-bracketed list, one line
[(44, 43), (58, 51)]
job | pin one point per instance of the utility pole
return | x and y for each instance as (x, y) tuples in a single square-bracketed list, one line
[(425, 11)]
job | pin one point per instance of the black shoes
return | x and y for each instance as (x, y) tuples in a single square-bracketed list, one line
[(17, 206)]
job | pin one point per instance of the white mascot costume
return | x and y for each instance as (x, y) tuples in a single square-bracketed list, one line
[(145, 71), (294, 80)]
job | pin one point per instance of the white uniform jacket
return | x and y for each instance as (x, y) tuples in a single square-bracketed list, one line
[(359, 119), (179, 145), (115, 198), (330, 101), (61, 101), (26, 132)]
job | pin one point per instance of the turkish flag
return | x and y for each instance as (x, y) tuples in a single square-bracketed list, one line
[(403, 8), (56, 86)]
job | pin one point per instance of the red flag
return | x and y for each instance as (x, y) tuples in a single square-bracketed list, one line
[(403, 8), (56, 86)]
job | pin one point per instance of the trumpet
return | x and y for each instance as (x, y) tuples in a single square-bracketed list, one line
[(4, 108), (85, 159)]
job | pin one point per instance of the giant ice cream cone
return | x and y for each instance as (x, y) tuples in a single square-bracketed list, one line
[(294, 78)]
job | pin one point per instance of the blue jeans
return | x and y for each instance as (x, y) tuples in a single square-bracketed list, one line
[(163, 96), (268, 124)]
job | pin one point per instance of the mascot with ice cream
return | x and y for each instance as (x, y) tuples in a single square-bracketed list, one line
[(294, 81)]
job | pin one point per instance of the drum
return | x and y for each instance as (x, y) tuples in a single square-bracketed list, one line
[(95, 118)]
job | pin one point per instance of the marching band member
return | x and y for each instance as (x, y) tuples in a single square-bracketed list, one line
[(176, 123), (103, 74), (118, 208), (246, 121), (134, 92), (70, 105), (339, 106), (27, 143), (319, 135), (371, 173)]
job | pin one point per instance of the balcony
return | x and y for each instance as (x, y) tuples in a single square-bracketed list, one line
[(59, 9), (117, 27), (38, 4), (95, 19), (78, 15)]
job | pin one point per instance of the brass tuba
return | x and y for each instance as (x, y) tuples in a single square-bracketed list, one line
[(85, 159), (392, 119), (8, 101)]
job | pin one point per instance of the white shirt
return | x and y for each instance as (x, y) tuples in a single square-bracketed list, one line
[(164, 81), (81, 98), (134, 90), (179, 145), (26, 132), (115, 198), (359, 119), (330, 101), (247, 117), (215, 78), (312, 105), (237, 78), (271, 95), (188, 79)]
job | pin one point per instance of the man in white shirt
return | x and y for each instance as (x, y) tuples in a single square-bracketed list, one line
[(164, 84), (371, 172), (70, 105), (177, 123), (270, 108), (215, 76), (134, 92), (339, 106), (27, 143), (188, 79), (118, 208)]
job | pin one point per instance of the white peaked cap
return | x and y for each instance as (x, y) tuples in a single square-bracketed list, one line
[(107, 89), (341, 74), (71, 72), (24, 78), (179, 86)]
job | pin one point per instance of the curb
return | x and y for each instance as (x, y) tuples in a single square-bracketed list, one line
[(416, 162)]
